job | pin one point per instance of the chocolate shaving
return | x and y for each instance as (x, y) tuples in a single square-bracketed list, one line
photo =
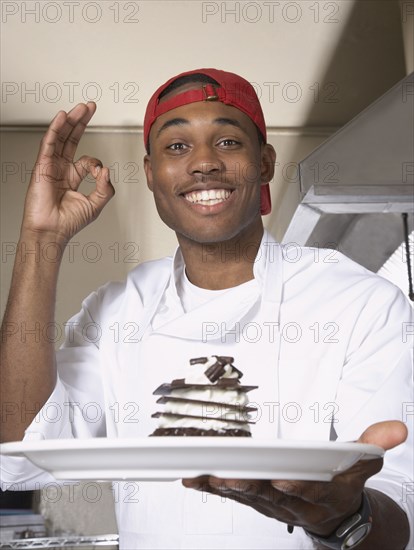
[(178, 383), (225, 383), (224, 360), (198, 360), (239, 372), (215, 372), (228, 383)]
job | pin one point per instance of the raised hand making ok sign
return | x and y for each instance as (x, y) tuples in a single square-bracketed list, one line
[(54, 206)]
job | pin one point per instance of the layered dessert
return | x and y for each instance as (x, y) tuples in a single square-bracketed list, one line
[(209, 401)]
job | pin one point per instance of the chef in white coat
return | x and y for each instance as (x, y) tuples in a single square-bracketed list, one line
[(325, 341)]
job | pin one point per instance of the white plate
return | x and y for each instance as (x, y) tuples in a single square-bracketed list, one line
[(168, 458)]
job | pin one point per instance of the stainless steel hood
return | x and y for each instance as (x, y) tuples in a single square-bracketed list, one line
[(355, 185)]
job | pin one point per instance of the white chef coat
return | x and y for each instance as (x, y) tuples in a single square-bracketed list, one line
[(326, 341)]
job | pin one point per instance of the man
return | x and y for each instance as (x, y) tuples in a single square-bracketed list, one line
[(208, 164)]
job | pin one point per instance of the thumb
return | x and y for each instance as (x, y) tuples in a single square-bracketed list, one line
[(386, 434)]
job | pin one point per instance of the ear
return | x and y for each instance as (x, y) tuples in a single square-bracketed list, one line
[(148, 171), (268, 163)]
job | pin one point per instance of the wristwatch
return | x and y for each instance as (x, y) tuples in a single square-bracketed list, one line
[(351, 532)]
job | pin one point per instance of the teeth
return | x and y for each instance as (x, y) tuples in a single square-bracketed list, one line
[(208, 197)]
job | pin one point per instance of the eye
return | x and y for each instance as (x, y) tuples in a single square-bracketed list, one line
[(229, 143), (176, 147)]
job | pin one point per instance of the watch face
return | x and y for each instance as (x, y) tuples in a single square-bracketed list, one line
[(357, 536)]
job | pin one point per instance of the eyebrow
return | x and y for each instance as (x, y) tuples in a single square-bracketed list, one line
[(182, 121), (172, 122)]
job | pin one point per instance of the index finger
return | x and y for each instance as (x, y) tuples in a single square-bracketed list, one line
[(74, 128), (62, 129)]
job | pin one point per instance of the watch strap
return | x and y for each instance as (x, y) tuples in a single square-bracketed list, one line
[(351, 532)]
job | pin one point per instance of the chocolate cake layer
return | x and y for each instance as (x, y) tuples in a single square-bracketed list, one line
[(165, 389), (202, 418), (191, 432)]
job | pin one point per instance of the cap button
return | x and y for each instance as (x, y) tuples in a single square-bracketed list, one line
[(210, 93)]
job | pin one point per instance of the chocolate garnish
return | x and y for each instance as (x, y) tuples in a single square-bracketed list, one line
[(228, 383), (225, 383), (178, 383), (197, 360), (224, 360), (215, 372)]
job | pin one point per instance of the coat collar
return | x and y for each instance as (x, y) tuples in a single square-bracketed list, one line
[(221, 314)]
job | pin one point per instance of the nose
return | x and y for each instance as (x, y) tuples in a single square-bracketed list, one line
[(205, 161)]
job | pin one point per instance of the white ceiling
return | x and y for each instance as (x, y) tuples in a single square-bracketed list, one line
[(313, 63)]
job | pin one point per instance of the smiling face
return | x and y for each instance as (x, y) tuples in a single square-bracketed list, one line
[(205, 170)]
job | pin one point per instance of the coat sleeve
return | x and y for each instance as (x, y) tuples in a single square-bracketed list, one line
[(377, 385), (76, 406)]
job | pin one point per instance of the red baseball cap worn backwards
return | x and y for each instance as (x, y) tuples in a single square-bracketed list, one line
[(232, 90)]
